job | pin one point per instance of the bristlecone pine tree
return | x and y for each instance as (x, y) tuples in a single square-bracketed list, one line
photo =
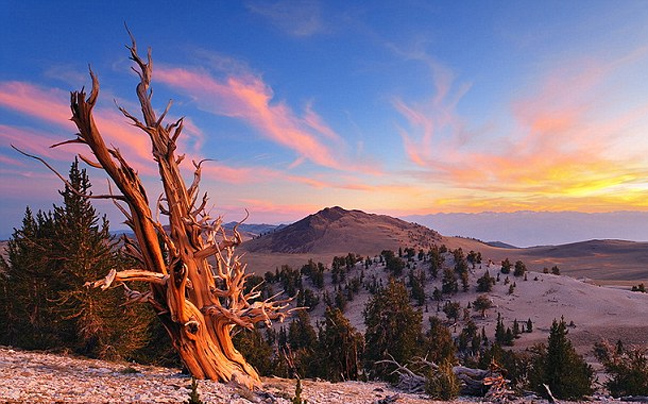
[(198, 304)]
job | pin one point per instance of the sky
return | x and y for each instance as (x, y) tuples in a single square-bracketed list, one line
[(399, 108)]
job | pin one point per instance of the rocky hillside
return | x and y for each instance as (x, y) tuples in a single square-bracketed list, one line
[(335, 230)]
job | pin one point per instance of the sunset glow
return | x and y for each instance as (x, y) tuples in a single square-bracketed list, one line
[(396, 108)]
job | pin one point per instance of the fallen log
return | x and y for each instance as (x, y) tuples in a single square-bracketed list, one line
[(490, 382)]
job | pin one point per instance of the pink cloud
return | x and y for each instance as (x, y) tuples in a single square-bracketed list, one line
[(250, 175), (9, 161), (52, 106), (35, 141), (248, 98), (47, 104), (278, 212)]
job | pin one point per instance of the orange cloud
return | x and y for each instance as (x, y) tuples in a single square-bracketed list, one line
[(565, 147)]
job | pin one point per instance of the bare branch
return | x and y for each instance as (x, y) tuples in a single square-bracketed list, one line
[(77, 140), (90, 162), (129, 275), (67, 183)]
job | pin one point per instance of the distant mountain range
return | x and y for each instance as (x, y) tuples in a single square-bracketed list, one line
[(254, 230), (337, 231), (526, 228)]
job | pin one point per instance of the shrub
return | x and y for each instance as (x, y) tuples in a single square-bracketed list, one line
[(628, 369), (443, 384)]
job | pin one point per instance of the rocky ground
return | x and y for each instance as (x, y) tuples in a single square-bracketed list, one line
[(36, 377)]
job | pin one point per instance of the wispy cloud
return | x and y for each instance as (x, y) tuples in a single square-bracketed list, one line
[(248, 98), (278, 212), (296, 18), (46, 104), (52, 107), (559, 148)]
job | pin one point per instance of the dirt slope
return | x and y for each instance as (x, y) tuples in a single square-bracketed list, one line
[(337, 230)]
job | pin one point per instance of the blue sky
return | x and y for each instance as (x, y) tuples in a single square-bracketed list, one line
[(401, 108)]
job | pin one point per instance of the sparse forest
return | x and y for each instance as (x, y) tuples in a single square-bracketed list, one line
[(66, 284)]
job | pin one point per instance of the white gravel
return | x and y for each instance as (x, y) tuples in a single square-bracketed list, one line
[(37, 377)]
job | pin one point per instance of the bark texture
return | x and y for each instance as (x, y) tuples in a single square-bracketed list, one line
[(198, 303)]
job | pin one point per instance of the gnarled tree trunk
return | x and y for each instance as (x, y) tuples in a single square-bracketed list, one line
[(198, 304)]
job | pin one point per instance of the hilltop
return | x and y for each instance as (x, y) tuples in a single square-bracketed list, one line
[(334, 230), (337, 231)]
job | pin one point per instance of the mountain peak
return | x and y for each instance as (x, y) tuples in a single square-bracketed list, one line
[(337, 230), (332, 214)]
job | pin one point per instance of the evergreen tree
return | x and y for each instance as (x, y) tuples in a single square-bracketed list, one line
[(340, 348), (560, 367), (520, 269), (465, 285), (485, 283), (301, 333), (438, 343), (393, 328), (449, 283), (506, 266), (301, 346), (451, 310), (474, 258), (96, 322), (628, 369), (256, 349), (503, 336), (481, 304), (27, 288), (436, 261), (417, 283), (49, 261)]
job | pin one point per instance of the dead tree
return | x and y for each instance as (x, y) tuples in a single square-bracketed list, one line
[(199, 304), (490, 382)]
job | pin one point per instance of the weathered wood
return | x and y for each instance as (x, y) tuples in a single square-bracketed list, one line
[(198, 304), (476, 382)]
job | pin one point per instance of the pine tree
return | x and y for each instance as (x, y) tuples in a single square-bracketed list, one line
[(451, 310), (627, 368), (500, 331), (96, 323), (436, 261), (438, 345), (27, 288), (417, 283), (506, 266), (520, 269), (393, 328), (302, 343), (340, 348), (449, 283), (481, 304), (560, 367), (485, 283), (256, 349)]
